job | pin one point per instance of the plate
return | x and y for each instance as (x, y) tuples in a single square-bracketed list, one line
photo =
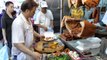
[(49, 39), (49, 47)]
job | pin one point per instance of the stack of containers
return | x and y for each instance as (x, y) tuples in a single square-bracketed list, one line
[(89, 43)]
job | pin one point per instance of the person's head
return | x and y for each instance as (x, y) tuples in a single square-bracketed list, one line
[(9, 6), (43, 6), (29, 7)]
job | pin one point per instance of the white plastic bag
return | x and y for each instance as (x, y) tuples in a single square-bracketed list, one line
[(4, 53), (106, 51)]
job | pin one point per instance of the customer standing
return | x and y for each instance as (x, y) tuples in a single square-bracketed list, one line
[(23, 33), (7, 20)]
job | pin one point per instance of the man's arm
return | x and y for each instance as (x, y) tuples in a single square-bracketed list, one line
[(36, 34), (4, 35), (52, 24), (41, 26), (3, 23), (25, 50)]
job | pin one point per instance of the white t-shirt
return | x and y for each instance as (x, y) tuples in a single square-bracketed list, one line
[(44, 19), (22, 32)]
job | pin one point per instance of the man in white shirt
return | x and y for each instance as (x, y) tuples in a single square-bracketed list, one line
[(22, 34), (44, 19)]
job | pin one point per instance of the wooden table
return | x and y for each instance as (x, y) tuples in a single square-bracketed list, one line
[(44, 46)]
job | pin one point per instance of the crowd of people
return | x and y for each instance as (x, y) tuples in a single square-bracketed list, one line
[(18, 32)]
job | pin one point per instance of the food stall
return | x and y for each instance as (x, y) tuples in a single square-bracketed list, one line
[(83, 35), (78, 39), (52, 48)]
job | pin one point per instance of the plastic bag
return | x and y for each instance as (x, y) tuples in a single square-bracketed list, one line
[(106, 51), (4, 53)]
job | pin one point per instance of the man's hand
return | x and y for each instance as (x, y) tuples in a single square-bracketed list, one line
[(5, 41), (37, 56), (42, 36), (42, 26), (45, 28)]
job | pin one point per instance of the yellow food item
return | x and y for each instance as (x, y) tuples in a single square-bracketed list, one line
[(53, 45)]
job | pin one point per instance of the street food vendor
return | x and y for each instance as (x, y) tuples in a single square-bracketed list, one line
[(44, 19), (22, 34)]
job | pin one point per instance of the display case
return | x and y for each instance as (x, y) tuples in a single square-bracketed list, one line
[(91, 54), (64, 53)]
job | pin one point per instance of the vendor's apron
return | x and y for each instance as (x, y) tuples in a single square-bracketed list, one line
[(28, 43), (45, 22)]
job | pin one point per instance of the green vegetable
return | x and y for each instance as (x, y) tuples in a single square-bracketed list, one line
[(62, 57)]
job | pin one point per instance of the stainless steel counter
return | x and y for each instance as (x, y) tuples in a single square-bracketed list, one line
[(97, 54)]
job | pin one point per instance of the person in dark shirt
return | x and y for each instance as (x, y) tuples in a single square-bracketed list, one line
[(6, 21), (0, 28), (1, 37)]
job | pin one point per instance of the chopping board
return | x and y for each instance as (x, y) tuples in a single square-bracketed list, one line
[(48, 47)]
